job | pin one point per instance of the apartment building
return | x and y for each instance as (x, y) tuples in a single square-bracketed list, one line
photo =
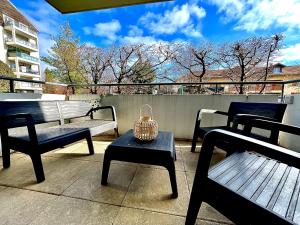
[(277, 72), (19, 46)]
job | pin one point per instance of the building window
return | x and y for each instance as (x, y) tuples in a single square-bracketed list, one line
[(277, 70)]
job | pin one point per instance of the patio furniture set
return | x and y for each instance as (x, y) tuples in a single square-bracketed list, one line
[(257, 177)]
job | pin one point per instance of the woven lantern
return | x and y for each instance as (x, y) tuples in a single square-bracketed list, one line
[(145, 129)]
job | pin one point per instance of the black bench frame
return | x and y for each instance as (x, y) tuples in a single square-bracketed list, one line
[(32, 147), (232, 205), (255, 110)]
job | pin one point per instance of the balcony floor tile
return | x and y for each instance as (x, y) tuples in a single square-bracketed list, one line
[(76, 211), (138, 217), (60, 174), (20, 207), (72, 192), (88, 186), (151, 190)]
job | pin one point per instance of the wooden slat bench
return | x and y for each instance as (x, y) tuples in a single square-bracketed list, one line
[(258, 184), (18, 120)]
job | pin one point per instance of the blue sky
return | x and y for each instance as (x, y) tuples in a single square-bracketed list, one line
[(194, 21)]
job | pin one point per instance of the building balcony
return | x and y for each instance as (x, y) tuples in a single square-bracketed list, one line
[(23, 57), (27, 86), (20, 28), (25, 71), (21, 44)]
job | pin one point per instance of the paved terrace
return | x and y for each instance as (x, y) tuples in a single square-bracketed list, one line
[(72, 193)]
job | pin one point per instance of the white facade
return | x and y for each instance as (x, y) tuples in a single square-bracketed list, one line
[(19, 49)]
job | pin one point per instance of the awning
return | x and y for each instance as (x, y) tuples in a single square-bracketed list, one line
[(71, 6)]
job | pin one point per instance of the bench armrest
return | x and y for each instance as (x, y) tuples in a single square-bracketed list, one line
[(112, 108), (246, 118), (203, 111), (241, 143), (29, 124), (266, 124)]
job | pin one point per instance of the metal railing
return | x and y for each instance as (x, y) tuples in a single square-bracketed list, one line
[(25, 69), (13, 80), (21, 41), (21, 26), (110, 85), (23, 56)]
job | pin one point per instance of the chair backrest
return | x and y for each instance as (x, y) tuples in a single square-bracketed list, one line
[(73, 109), (41, 111), (271, 110)]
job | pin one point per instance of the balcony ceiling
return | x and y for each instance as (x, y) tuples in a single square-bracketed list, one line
[(71, 6)]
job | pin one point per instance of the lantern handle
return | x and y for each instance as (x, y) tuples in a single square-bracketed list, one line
[(150, 109)]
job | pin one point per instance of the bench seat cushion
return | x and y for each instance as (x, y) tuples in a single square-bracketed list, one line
[(95, 126), (266, 182), (47, 137)]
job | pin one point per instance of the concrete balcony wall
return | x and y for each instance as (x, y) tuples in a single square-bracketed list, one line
[(292, 116), (177, 113)]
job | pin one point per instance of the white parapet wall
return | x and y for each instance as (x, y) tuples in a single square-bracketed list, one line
[(292, 116), (177, 113)]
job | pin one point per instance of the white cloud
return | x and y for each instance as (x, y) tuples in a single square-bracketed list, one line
[(252, 15), (46, 19), (135, 31), (290, 54), (148, 40), (108, 30), (43, 16), (178, 19)]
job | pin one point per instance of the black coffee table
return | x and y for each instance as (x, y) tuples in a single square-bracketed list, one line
[(160, 151)]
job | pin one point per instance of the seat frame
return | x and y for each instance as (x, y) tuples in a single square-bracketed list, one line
[(255, 110), (30, 113), (240, 209)]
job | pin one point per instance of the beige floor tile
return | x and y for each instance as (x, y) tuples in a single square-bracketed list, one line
[(151, 190), (79, 151), (190, 160), (2, 188), (186, 146), (206, 222), (142, 217), (60, 174), (76, 211), (206, 211), (22, 206), (179, 164), (88, 186), (13, 156)]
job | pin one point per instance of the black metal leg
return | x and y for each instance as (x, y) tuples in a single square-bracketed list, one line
[(5, 156), (116, 132), (195, 203), (174, 149), (90, 144), (38, 167), (194, 141), (172, 174), (105, 169)]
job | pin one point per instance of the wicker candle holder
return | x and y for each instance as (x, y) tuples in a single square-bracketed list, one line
[(145, 129)]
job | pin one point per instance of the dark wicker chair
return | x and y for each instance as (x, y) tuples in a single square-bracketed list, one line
[(266, 111), (258, 184)]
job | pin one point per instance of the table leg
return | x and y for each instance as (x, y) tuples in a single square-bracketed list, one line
[(105, 169), (172, 174), (174, 150)]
